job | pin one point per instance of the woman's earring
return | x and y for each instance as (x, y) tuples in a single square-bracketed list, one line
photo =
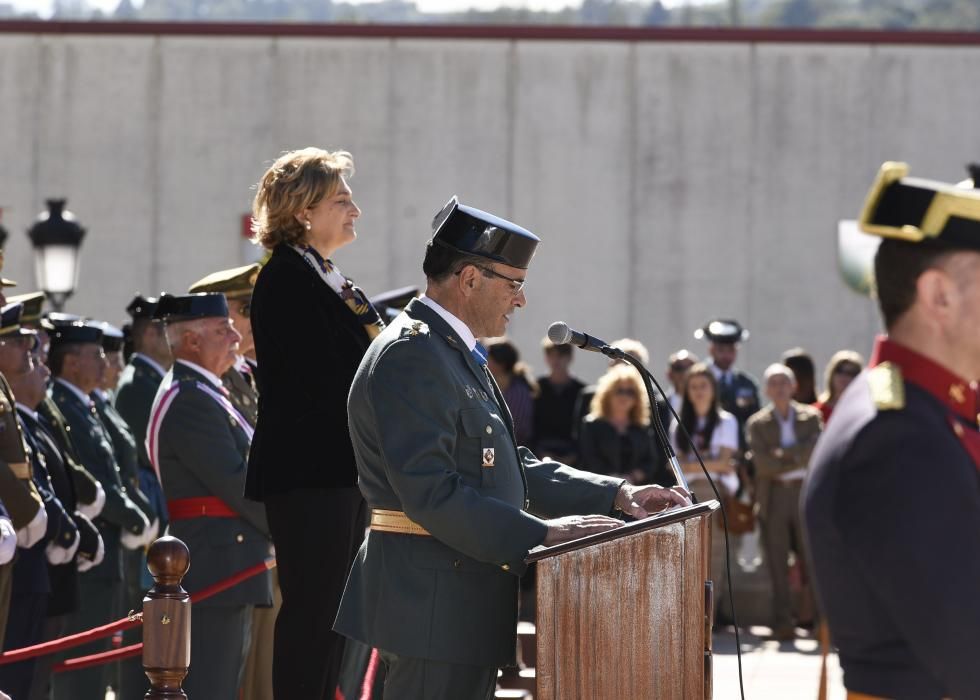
[(308, 225)]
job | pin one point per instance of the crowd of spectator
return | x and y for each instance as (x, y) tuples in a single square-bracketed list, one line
[(753, 440)]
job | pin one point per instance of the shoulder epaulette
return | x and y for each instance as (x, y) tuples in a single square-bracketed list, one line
[(887, 387), (416, 328)]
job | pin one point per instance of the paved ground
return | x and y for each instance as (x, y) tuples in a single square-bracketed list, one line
[(770, 670)]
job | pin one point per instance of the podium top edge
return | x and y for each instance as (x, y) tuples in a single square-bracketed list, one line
[(652, 523)]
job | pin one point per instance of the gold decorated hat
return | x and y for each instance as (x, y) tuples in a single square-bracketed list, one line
[(33, 305), (921, 211), (235, 283)]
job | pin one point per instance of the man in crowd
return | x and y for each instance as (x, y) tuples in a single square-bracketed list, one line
[(137, 388), (77, 362), (237, 284), (199, 442), (891, 506), (127, 458), (738, 392), (781, 437), (456, 504), (31, 584)]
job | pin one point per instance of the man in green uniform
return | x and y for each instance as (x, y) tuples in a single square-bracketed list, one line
[(199, 443), (237, 284), (77, 362), (456, 504)]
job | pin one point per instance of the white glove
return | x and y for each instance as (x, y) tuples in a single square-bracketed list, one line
[(131, 541), (150, 533), (86, 564), (92, 510), (59, 555), (31, 534), (8, 540)]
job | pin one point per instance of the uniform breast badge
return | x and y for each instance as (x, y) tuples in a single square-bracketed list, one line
[(488, 456), (469, 391)]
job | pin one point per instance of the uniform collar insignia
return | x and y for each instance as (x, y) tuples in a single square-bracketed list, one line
[(957, 394)]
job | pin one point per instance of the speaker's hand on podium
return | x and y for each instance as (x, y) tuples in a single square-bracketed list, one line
[(572, 527), (641, 501)]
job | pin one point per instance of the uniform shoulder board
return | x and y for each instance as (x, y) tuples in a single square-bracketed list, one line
[(887, 387), (416, 328)]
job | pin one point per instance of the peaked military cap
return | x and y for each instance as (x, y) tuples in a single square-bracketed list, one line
[(234, 283), (475, 232), (187, 307), (10, 320), (921, 211), (112, 337), (63, 331), (142, 307), (722, 330), (33, 305)]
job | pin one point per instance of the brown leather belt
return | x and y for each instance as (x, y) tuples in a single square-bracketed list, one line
[(395, 521)]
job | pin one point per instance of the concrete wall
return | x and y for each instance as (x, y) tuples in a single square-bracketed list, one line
[(670, 182)]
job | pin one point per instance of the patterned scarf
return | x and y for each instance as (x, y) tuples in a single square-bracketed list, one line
[(353, 296)]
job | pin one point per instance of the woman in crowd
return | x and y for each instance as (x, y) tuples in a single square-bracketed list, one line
[(615, 437), (516, 384), (843, 367), (715, 434), (311, 327)]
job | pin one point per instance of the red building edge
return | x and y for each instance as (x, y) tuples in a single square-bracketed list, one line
[(495, 32)]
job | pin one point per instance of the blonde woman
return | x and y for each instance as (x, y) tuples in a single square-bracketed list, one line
[(615, 437), (311, 326), (843, 367)]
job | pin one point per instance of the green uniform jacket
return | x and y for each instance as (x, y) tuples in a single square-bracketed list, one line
[(135, 392), (422, 418), (124, 446), (83, 482), (202, 450), (94, 447)]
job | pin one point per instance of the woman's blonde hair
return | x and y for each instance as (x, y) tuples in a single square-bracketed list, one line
[(298, 180), (841, 357), (614, 376)]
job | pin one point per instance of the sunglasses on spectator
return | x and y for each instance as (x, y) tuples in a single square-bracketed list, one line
[(625, 391), (681, 367), (848, 371)]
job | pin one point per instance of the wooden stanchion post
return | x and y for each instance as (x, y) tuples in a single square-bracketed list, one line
[(167, 620)]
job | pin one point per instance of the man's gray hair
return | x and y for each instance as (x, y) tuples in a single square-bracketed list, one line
[(175, 331)]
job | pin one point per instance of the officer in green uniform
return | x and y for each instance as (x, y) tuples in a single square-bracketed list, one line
[(456, 503), (90, 497), (199, 443), (77, 362), (136, 390), (133, 682), (237, 284)]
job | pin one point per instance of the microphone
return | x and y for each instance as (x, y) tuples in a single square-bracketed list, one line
[(560, 334)]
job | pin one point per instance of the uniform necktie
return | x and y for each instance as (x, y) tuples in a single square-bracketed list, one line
[(479, 354)]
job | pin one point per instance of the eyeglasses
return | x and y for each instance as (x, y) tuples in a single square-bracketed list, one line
[(625, 391), (516, 286), (245, 308)]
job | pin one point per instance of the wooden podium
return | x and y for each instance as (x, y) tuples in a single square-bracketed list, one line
[(627, 613)]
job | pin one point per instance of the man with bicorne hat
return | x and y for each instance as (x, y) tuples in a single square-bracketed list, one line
[(891, 503), (198, 442), (456, 504), (77, 362)]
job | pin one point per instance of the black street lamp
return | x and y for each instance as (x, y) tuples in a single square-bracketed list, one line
[(56, 236)]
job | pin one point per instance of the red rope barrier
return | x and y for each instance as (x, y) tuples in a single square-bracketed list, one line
[(74, 640), (104, 657)]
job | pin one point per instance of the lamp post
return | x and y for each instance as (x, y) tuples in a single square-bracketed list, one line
[(56, 237)]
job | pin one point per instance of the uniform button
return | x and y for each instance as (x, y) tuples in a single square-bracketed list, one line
[(505, 567), (456, 564), (239, 538), (489, 430)]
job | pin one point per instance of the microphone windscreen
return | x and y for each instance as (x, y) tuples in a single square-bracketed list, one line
[(559, 333)]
